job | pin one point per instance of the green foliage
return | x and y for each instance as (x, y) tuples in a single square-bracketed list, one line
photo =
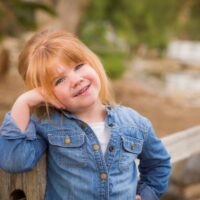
[(192, 27), (113, 63), (17, 16), (136, 21)]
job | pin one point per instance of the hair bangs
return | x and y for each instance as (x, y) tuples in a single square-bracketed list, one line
[(39, 71), (71, 55)]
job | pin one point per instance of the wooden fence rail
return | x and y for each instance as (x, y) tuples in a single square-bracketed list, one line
[(183, 144), (31, 185)]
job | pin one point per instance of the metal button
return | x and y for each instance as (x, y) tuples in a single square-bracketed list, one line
[(67, 140), (83, 125), (133, 146), (96, 147), (103, 176), (111, 125), (111, 148)]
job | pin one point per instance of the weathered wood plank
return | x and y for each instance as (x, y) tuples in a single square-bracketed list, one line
[(4, 185), (32, 183), (183, 144)]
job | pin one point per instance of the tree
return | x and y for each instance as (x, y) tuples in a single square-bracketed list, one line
[(109, 27), (17, 16), (189, 20), (137, 22)]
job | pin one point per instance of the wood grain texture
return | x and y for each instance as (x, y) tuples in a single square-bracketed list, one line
[(32, 183)]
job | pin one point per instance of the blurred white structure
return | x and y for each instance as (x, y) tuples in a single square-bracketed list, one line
[(186, 51), (187, 84)]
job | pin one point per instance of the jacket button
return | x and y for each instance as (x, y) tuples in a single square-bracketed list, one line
[(67, 140), (103, 176), (83, 125), (111, 148), (109, 108), (133, 146), (111, 125), (96, 147)]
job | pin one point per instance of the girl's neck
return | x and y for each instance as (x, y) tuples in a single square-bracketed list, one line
[(94, 113)]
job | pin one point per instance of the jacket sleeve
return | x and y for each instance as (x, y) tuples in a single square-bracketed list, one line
[(154, 167), (20, 151)]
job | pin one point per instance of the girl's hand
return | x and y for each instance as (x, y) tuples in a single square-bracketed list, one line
[(34, 97), (138, 197), (20, 111), (31, 98)]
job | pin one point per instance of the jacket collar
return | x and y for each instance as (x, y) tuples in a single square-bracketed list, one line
[(109, 111)]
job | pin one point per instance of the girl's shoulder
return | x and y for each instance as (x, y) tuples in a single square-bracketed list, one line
[(130, 117), (54, 118)]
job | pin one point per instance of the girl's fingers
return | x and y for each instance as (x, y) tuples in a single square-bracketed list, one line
[(54, 103), (138, 197)]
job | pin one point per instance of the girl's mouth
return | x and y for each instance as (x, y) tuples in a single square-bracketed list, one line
[(82, 91)]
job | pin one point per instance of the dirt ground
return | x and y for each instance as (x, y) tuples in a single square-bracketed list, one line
[(167, 116)]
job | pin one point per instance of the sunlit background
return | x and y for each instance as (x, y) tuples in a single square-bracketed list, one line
[(150, 50)]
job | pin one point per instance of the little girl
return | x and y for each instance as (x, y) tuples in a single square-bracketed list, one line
[(69, 113)]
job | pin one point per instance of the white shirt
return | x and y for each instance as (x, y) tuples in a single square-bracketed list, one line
[(102, 133)]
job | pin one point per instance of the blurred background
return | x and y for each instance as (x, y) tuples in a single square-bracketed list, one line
[(150, 50)]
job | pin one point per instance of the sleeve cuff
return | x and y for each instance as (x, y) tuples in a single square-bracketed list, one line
[(146, 192), (10, 130)]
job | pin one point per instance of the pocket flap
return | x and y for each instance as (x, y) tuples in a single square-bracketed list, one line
[(133, 145), (66, 140)]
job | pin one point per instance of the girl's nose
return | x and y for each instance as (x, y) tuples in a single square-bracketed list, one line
[(75, 80)]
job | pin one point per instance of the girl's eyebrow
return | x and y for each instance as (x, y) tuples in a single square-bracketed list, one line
[(61, 74)]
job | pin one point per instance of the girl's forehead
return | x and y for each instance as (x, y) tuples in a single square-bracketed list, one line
[(58, 67)]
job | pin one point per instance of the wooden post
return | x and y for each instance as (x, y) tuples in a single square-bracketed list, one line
[(32, 183)]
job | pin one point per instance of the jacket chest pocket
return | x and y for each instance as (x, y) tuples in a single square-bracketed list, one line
[(130, 148), (67, 150)]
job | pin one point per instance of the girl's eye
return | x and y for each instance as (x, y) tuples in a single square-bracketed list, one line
[(58, 81), (77, 67)]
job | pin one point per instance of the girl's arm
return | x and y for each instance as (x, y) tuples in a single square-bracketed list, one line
[(21, 145), (20, 111), (20, 151), (154, 167)]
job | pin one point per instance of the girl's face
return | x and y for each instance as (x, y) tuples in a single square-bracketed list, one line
[(77, 87)]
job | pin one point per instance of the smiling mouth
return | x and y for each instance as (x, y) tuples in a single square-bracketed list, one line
[(82, 91)]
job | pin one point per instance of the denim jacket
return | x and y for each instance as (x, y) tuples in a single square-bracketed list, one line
[(76, 166)]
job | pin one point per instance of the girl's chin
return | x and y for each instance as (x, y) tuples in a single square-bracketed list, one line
[(89, 102)]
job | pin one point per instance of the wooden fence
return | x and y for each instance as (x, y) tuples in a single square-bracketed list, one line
[(31, 185), (183, 144)]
